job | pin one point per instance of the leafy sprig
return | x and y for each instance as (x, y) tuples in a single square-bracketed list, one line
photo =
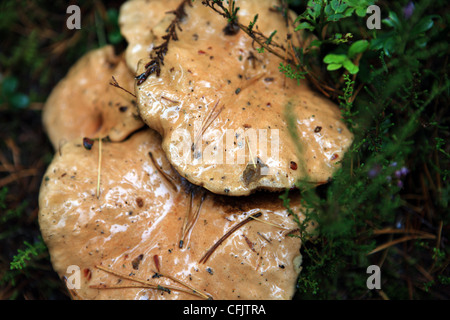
[(158, 52), (336, 61), (265, 42), (32, 250), (292, 73)]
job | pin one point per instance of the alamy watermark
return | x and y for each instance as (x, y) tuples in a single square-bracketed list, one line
[(374, 20), (240, 146), (74, 20), (374, 280), (73, 278)]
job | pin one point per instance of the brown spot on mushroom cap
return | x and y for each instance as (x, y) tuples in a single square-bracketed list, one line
[(84, 104), (193, 80), (83, 230)]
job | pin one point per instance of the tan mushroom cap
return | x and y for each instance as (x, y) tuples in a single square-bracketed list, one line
[(136, 20), (219, 105), (140, 214), (84, 104)]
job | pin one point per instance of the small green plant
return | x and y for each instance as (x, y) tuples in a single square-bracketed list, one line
[(292, 73), (346, 102), (319, 13), (336, 61), (22, 257), (402, 34)]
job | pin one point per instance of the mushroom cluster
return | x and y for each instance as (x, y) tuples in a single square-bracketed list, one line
[(166, 184)]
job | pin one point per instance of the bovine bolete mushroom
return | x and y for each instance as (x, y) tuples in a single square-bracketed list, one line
[(219, 104), (152, 235), (85, 104)]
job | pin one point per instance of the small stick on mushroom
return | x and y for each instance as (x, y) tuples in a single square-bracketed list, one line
[(116, 84), (99, 166), (170, 100), (270, 223), (264, 237), (171, 180), (226, 235), (207, 296), (159, 274), (186, 217), (190, 221), (250, 151), (209, 120), (143, 284)]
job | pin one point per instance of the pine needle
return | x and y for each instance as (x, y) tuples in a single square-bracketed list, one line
[(206, 296), (270, 223), (226, 235), (114, 83), (189, 221), (143, 284), (99, 166), (397, 241), (209, 120), (171, 180), (250, 151)]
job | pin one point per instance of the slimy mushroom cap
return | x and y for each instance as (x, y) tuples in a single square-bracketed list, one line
[(130, 235), (85, 104), (221, 105)]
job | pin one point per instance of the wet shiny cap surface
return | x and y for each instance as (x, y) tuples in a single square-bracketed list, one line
[(221, 108), (148, 226)]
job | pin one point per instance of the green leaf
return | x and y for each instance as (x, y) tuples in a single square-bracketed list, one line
[(423, 25), (361, 12), (328, 10), (357, 47), (252, 23), (350, 66), (389, 46), (304, 25), (334, 66), (314, 8), (385, 42), (334, 4), (334, 58), (392, 20), (335, 17), (341, 8)]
